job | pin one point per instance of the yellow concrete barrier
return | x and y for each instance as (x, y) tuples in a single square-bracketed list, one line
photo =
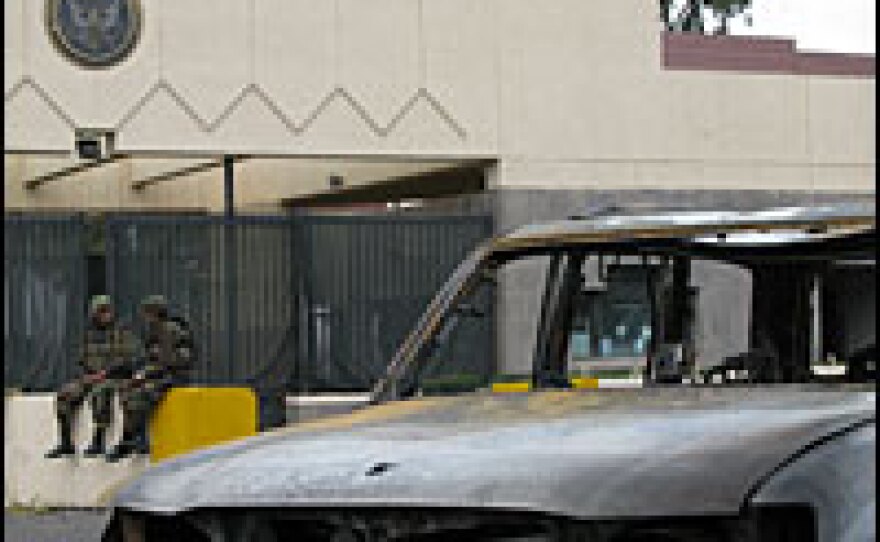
[(192, 418), (511, 387), (584, 383)]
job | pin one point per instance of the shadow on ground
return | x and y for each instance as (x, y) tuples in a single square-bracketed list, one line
[(53, 526)]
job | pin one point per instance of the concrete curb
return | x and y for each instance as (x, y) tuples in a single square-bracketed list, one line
[(576, 383)]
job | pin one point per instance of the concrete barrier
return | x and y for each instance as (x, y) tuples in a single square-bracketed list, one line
[(30, 480), (611, 383)]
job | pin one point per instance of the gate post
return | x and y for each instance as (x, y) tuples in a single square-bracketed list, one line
[(231, 269), (228, 186)]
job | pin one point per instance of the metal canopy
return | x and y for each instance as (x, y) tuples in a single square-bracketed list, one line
[(297, 179), (170, 175), (68, 171)]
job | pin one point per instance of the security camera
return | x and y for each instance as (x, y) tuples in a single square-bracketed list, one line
[(94, 143)]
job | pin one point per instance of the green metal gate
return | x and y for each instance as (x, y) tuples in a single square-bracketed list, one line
[(312, 302), (44, 301)]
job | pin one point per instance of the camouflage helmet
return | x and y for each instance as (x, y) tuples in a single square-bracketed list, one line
[(154, 303), (99, 302)]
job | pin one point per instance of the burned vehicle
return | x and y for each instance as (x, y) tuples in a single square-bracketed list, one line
[(774, 457)]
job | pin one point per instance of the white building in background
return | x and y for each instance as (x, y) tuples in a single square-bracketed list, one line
[(535, 110)]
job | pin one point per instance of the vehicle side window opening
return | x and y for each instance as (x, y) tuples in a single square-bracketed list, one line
[(597, 311), (850, 298), (809, 316), (663, 317), (672, 318), (760, 302), (616, 313), (468, 318), (611, 322)]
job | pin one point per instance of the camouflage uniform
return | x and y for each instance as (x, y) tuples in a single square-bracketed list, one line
[(106, 354), (168, 362)]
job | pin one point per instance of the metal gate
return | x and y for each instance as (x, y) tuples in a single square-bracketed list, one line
[(187, 259), (44, 300), (312, 302), (366, 281)]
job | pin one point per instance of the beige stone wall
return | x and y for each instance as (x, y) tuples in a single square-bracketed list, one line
[(565, 93)]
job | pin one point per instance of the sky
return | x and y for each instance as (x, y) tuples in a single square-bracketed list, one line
[(844, 26)]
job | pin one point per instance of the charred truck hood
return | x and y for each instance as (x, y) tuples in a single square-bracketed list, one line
[(580, 454)]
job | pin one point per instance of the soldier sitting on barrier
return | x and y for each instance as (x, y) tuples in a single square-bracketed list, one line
[(168, 361), (108, 350)]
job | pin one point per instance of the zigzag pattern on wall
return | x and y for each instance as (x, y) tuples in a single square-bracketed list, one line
[(292, 126), (43, 95)]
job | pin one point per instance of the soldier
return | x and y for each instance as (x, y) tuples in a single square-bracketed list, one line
[(107, 353), (169, 359)]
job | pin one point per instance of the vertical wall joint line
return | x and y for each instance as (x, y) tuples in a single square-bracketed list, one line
[(422, 44), (252, 41)]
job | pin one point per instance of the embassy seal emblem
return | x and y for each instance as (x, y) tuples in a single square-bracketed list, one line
[(94, 33)]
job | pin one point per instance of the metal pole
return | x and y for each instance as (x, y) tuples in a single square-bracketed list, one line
[(551, 284), (816, 314), (228, 187), (231, 267), (681, 271), (653, 340)]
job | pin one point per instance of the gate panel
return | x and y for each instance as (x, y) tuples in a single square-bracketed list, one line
[(167, 256), (317, 302), (267, 300), (367, 281), (187, 260), (44, 299)]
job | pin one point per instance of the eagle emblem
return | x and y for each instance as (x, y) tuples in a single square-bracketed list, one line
[(94, 32)]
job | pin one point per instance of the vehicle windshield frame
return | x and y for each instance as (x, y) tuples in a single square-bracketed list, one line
[(739, 237)]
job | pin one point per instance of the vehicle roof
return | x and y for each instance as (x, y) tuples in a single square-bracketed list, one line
[(779, 226), (585, 454)]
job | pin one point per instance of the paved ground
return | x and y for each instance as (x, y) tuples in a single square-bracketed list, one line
[(54, 526)]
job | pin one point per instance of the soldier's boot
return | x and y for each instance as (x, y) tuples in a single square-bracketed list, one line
[(65, 447), (98, 445), (141, 445), (127, 446), (122, 450)]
